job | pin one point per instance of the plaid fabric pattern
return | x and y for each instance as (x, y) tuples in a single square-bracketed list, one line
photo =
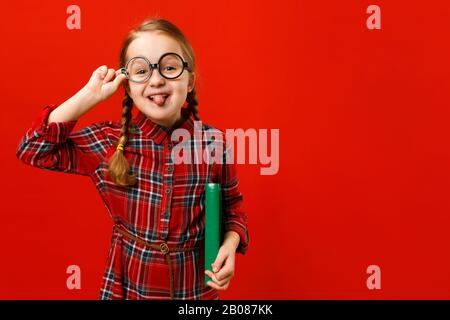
[(165, 205)]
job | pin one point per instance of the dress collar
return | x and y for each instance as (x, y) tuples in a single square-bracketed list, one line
[(157, 132)]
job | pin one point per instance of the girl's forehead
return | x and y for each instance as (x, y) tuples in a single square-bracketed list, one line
[(152, 45)]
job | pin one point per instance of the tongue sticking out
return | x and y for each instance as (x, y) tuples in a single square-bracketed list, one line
[(159, 99)]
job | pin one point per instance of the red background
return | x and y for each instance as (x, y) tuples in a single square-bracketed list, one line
[(363, 118)]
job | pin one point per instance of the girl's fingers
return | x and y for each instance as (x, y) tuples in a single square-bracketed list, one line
[(120, 75), (109, 75), (114, 85), (119, 78), (116, 74), (215, 286), (218, 282), (101, 71), (224, 272), (105, 82)]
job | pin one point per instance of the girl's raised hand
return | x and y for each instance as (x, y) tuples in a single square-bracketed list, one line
[(104, 83)]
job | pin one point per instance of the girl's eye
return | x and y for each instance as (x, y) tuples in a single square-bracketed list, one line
[(142, 71)]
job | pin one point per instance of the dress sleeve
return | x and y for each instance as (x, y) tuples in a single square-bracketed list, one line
[(54, 147), (234, 218)]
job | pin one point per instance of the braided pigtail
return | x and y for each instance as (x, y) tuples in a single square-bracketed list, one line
[(193, 103), (118, 166)]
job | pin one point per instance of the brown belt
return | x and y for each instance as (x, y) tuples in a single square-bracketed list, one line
[(163, 247)]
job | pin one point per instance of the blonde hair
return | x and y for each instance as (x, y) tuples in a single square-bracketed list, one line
[(118, 166)]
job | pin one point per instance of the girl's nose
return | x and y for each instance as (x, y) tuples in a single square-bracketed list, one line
[(155, 79)]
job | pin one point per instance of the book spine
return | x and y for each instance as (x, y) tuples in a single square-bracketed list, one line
[(213, 212)]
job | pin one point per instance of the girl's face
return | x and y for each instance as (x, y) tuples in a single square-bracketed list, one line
[(149, 97)]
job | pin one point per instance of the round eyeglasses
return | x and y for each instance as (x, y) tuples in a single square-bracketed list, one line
[(139, 69)]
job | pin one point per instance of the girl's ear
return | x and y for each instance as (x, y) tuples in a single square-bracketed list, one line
[(192, 77)]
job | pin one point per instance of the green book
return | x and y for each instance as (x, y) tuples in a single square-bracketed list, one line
[(213, 219)]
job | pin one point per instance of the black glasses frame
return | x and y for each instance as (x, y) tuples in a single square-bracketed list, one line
[(154, 66)]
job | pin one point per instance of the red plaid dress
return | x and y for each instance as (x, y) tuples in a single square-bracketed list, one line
[(165, 205)]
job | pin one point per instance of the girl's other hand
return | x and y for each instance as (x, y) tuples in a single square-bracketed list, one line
[(104, 83), (223, 268)]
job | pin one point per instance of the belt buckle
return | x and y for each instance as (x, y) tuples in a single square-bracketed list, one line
[(164, 248)]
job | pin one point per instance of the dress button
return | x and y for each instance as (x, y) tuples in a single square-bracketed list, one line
[(169, 168), (168, 190), (169, 146)]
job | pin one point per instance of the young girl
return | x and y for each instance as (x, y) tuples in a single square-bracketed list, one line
[(157, 205)]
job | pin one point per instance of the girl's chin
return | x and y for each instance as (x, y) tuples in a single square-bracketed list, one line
[(160, 113)]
